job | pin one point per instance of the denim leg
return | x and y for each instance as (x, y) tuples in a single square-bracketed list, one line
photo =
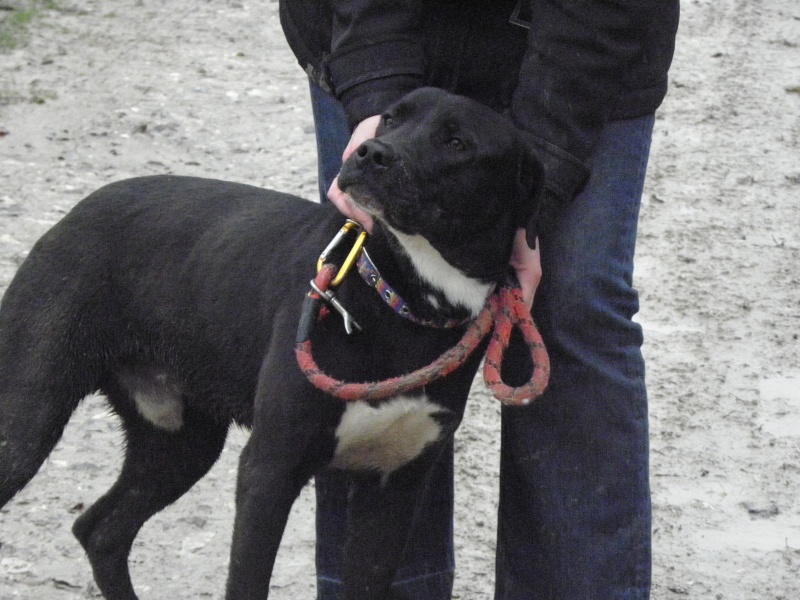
[(426, 572), (574, 516), (332, 133)]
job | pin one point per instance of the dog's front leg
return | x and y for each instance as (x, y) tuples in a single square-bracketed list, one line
[(380, 517), (278, 460), (265, 492)]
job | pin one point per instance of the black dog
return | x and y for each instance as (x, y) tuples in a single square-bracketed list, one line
[(179, 299)]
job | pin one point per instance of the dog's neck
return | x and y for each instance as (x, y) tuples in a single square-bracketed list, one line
[(432, 287)]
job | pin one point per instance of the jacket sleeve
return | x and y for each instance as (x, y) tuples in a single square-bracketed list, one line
[(578, 55), (376, 54)]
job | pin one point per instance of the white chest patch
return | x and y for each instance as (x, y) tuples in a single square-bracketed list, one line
[(386, 437), (457, 287)]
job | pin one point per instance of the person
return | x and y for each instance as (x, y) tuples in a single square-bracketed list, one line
[(582, 80)]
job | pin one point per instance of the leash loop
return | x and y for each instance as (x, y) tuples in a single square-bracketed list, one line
[(510, 311)]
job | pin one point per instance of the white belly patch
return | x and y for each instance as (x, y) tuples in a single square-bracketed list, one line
[(385, 437), (157, 396)]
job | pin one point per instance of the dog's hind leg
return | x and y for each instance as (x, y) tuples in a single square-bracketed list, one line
[(158, 468)]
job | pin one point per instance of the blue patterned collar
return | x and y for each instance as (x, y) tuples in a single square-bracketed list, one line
[(369, 272)]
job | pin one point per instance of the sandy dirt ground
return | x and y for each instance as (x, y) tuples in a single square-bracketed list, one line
[(92, 91)]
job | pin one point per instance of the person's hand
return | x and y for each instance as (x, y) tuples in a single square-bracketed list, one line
[(525, 262), (363, 131)]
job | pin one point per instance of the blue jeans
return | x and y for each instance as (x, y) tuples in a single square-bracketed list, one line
[(574, 515)]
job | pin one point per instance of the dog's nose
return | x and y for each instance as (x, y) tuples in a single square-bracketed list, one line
[(376, 153)]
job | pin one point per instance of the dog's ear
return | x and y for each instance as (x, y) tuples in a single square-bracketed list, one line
[(530, 181)]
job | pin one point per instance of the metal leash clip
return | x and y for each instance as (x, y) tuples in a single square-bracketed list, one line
[(329, 297), (329, 294)]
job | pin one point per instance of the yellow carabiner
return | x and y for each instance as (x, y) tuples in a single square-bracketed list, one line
[(355, 251)]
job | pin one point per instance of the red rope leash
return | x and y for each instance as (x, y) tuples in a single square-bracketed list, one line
[(504, 310), (509, 310)]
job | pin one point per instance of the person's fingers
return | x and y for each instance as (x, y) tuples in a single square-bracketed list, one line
[(364, 130), (342, 201), (527, 265)]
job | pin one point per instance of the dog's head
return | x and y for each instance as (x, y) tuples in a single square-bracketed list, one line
[(452, 171)]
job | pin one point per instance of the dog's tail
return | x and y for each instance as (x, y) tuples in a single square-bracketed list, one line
[(43, 374)]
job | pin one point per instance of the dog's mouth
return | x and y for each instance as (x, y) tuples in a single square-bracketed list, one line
[(362, 198), (351, 183)]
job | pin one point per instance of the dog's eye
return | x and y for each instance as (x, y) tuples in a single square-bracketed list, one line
[(457, 143), (387, 120)]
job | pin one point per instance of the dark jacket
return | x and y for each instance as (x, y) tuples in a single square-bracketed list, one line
[(561, 69)]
